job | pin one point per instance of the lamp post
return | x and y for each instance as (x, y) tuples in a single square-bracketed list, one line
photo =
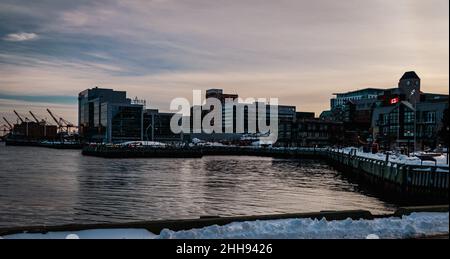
[(146, 131), (448, 128), (413, 94), (409, 135)]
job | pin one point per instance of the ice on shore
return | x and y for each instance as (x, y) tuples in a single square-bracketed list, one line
[(414, 225), (396, 158), (89, 234)]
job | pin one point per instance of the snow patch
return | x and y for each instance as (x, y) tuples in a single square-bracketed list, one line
[(414, 225), (89, 234)]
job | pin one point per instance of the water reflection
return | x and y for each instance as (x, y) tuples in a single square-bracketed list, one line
[(58, 187)]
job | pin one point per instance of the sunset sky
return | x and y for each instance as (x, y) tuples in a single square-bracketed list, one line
[(300, 51)]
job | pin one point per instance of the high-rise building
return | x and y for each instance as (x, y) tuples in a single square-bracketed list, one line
[(105, 115)]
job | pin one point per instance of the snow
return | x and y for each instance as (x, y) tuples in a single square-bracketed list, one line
[(396, 158), (143, 143), (262, 143), (89, 234), (414, 225), (196, 140)]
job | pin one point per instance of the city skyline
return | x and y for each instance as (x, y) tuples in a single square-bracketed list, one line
[(298, 51)]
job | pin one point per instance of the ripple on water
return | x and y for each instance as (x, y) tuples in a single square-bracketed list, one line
[(47, 186)]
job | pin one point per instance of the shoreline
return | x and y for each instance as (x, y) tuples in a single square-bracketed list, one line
[(186, 224)]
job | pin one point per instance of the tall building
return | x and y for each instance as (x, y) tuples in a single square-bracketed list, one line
[(105, 115), (407, 117), (360, 110)]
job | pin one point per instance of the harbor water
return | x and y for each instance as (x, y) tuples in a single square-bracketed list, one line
[(42, 186)]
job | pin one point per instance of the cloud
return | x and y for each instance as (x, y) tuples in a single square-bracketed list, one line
[(300, 50), (20, 36)]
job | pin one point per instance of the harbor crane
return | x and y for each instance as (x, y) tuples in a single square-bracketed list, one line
[(34, 117), (7, 122), (42, 121), (6, 128), (61, 122), (18, 116), (23, 120)]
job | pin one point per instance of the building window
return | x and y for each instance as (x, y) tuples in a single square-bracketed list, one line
[(409, 131), (393, 117), (385, 119), (430, 117), (429, 131), (409, 117), (393, 130)]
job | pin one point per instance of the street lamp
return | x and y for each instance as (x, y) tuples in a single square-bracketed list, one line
[(448, 128), (409, 135), (413, 93), (146, 131)]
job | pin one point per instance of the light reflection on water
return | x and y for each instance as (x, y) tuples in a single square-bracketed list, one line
[(45, 186)]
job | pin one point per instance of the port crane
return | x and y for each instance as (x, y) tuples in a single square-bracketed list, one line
[(61, 122), (9, 124), (18, 116), (23, 120), (6, 128), (42, 121)]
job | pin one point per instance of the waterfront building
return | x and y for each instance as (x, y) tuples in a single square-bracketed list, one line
[(286, 119), (309, 131), (360, 112), (105, 115), (157, 127), (402, 124), (407, 117), (364, 94), (230, 133)]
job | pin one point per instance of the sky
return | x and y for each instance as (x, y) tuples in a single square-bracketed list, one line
[(300, 51)]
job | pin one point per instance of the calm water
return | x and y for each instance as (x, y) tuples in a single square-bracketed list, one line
[(46, 186)]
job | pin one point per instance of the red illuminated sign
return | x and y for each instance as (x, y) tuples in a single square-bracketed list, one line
[(395, 100)]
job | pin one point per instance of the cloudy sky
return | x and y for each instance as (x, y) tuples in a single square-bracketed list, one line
[(300, 51)]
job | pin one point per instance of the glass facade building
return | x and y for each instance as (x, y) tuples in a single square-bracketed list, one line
[(105, 115)]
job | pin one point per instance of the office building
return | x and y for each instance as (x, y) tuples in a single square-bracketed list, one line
[(309, 131), (157, 127), (108, 116)]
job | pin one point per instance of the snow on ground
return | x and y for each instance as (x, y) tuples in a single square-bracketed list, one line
[(143, 143), (396, 158), (89, 234), (414, 225)]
